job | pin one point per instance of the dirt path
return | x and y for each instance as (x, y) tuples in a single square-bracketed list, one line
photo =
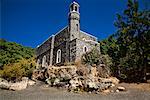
[(40, 92)]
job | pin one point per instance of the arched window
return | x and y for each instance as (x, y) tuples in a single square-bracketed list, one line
[(58, 58), (44, 61), (76, 8), (38, 64), (71, 7), (85, 49), (77, 26)]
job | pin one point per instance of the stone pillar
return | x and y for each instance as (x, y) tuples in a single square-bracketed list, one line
[(51, 50)]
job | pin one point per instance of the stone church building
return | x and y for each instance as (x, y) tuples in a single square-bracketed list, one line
[(67, 45)]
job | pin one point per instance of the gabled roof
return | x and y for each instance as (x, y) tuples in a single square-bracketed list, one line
[(52, 36), (88, 34)]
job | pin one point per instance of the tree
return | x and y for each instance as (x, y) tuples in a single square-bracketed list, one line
[(133, 40)]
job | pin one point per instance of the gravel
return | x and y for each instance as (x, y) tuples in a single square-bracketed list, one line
[(41, 92)]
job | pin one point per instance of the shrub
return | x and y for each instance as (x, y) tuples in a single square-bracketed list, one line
[(82, 70), (92, 57), (15, 71), (103, 62)]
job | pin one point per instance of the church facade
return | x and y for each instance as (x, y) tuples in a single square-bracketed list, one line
[(67, 45)]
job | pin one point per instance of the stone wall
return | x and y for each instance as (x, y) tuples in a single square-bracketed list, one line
[(73, 50), (84, 35), (43, 50), (43, 47), (62, 43), (47, 55), (62, 47), (61, 37), (80, 46)]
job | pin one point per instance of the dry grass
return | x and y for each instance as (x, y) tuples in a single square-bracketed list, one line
[(82, 70), (140, 86)]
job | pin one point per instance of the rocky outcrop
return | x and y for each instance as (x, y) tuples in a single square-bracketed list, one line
[(4, 84), (77, 79), (17, 85), (31, 82)]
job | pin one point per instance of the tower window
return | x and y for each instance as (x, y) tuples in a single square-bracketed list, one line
[(71, 7), (85, 49), (76, 8), (58, 58), (77, 27)]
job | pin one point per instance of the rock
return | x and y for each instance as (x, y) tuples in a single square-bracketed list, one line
[(67, 76), (62, 75), (105, 80), (117, 90), (112, 91), (48, 81), (148, 81), (75, 83), (25, 78), (112, 85), (56, 81), (35, 75), (92, 85), (4, 84), (30, 82), (94, 71), (120, 88), (19, 85), (114, 80), (76, 78), (103, 86), (106, 91), (61, 84)]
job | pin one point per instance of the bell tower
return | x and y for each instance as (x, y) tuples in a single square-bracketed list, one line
[(74, 20)]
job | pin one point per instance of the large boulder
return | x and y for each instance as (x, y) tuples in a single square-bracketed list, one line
[(121, 88), (75, 83), (92, 85), (4, 84), (19, 85), (48, 81), (114, 80), (94, 70), (31, 82), (56, 81)]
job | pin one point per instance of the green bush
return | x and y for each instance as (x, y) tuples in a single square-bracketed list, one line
[(15, 71), (92, 57), (11, 52)]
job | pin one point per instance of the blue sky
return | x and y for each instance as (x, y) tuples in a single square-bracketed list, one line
[(30, 22)]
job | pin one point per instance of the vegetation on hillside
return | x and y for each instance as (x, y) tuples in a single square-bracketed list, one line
[(11, 52), (16, 61)]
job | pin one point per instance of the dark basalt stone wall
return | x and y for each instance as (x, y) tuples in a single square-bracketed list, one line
[(71, 51)]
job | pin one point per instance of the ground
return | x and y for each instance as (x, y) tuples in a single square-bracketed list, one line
[(41, 92)]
